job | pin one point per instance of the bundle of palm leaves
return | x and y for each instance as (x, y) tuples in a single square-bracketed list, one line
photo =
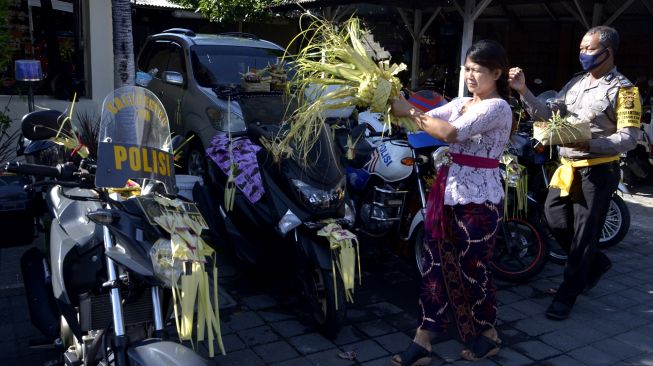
[(559, 130), (333, 71)]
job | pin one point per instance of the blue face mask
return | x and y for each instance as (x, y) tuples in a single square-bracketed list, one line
[(588, 62)]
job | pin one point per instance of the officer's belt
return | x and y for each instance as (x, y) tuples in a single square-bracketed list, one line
[(563, 177)]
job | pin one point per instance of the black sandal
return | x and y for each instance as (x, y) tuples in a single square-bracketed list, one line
[(414, 355), (481, 348)]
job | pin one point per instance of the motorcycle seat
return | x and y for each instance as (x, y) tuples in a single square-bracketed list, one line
[(421, 139)]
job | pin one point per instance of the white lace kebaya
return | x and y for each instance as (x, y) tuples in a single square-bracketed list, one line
[(483, 131)]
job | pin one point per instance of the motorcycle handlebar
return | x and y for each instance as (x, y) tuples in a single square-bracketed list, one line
[(33, 169)]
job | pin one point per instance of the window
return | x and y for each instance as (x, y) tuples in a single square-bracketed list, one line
[(224, 65), (154, 60), (176, 61)]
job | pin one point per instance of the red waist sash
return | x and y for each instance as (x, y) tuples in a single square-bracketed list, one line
[(435, 218)]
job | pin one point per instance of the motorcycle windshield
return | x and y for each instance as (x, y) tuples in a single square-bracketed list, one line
[(134, 140)]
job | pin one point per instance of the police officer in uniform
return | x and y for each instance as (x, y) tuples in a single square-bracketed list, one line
[(580, 190)]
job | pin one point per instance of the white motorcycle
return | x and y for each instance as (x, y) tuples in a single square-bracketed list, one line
[(389, 174)]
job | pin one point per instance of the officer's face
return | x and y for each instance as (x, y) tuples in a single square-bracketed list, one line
[(479, 79), (590, 44)]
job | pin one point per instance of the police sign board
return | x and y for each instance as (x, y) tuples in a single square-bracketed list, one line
[(134, 140)]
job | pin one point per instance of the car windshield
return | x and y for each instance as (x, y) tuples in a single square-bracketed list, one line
[(224, 65)]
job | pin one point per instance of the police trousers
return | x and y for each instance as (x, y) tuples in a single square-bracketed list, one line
[(576, 222)]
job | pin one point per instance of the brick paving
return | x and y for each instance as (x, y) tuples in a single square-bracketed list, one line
[(611, 325)]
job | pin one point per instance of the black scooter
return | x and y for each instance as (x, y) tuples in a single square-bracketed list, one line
[(297, 202)]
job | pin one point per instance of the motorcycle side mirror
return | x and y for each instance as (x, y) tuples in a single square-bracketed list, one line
[(173, 77), (176, 142), (42, 125), (20, 146)]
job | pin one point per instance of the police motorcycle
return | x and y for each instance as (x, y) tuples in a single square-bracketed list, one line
[(283, 209), (389, 173), (520, 252), (99, 295)]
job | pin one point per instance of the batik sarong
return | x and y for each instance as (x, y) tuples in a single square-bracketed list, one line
[(457, 276)]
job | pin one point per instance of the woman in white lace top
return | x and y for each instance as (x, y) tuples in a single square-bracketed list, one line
[(464, 209)]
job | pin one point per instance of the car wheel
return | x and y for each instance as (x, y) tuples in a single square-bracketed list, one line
[(196, 160)]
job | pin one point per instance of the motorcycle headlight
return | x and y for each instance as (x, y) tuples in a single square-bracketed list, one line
[(440, 157), (51, 156), (165, 268), (318, 198)]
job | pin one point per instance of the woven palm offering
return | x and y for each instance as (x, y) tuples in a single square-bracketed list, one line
[(256, 81), (561, 130), (278, 77), (333, 72)]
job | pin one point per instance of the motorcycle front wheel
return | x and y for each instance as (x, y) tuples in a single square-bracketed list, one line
[(617, 223), (322, 297), (615, 228), (519, 252)]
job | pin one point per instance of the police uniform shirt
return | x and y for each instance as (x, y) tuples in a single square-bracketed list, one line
[(598, 104)]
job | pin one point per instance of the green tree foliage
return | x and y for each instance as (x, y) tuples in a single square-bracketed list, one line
[(231, 10)]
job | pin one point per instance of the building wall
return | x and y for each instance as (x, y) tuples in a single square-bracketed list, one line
[(99, 45)]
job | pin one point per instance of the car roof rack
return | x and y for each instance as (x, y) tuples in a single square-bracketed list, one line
[(184, 31), (240, 34)]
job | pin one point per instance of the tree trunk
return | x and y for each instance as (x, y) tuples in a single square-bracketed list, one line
[(123, 43)]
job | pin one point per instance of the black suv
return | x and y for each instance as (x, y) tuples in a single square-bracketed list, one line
[(184, 69)]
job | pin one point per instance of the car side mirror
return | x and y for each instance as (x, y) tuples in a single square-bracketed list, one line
[(173, 77)]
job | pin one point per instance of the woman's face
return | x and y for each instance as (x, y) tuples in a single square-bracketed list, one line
[(479, 79)]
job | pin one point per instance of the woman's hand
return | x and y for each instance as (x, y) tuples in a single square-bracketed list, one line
[(401, 107), (517, 80)]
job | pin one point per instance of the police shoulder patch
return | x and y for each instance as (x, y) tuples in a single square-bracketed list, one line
[(623, 81), (629, 107)]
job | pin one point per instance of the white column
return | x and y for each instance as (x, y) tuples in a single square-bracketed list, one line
[(417, 46), (98, 48), (417, 30), (470, 14), (468, 34)]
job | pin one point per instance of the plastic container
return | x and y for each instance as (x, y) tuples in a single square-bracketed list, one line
[(185, 184)]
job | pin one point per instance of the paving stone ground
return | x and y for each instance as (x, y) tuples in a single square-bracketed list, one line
[(610, 325)]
